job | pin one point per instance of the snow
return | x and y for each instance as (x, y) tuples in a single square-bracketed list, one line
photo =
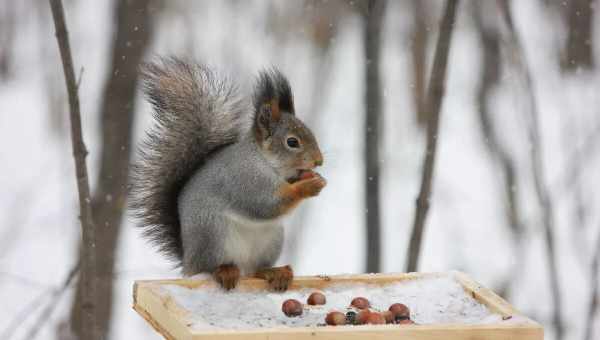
[(436, 300), (466, 229)]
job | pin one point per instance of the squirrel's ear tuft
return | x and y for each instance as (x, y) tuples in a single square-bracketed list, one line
[(272, 88), (267, 116)]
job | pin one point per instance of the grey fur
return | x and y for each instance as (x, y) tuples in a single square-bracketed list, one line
[(206, 186), (196, 112), (237, 181)]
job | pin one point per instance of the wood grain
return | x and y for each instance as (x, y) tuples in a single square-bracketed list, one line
[(170, 319)]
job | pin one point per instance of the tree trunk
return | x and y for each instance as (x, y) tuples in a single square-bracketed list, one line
[(87, 308), (372, 42), (8, 22), (579, 51), (435, 94), (117, 113), (419, 39)]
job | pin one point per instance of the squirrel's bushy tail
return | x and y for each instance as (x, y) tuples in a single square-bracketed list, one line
[(196, 112)]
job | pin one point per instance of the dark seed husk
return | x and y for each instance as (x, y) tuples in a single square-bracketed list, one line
[(351, 318), (399, 318)]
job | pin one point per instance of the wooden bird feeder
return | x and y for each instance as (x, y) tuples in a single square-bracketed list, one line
[(173, 321)]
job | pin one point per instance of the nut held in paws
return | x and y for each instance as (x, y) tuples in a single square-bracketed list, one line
[(307, 174)]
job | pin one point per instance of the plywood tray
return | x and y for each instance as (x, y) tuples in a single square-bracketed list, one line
[(171, 320)]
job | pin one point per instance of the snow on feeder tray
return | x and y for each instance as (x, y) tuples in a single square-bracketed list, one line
[(442, 306)]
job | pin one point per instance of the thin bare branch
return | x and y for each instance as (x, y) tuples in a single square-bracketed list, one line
[(22, 280), (23, 315), (517, 56), (88, 230), (572, 186), (491, 70), (574, 166), (52, 303), (80, 77), (594, 291), (435, 95)]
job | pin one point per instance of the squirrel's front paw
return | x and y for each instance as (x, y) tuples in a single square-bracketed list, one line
[(279, 278), (227, 275), (311, 186)]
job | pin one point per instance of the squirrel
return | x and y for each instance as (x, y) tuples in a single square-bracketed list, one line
[(218, 170)]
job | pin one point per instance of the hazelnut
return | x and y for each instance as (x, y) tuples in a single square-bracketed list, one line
[(291, 307), (362, 317), (316, 298), (405, 322), (399, 309), (360, 303), (307, 174), (388, 316), (375, 318), (335, 318)]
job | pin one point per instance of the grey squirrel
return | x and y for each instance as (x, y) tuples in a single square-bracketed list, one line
[(218, 170)]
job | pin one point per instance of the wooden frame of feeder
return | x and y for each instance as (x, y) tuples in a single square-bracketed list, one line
[(170, 319)]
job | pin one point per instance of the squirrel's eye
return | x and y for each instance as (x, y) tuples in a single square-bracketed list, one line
[(293, 142)]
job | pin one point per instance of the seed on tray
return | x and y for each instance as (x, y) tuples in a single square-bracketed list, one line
[(399, 309), (316, 298), (351, 317), (405, 322), (374, 318), (399, 318), (362, 317), (335, 318), (388, 316), (291, 308), (360, 303)]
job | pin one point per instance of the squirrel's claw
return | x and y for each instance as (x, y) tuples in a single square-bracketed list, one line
[(227, 275), (279, 278)]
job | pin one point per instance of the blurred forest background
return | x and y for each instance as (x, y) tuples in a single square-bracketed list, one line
[(514, 199)]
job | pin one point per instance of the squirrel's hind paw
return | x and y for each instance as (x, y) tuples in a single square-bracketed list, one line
[(227, 275), (279, 278)]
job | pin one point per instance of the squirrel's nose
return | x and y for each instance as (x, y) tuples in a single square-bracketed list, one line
[(319, 160)]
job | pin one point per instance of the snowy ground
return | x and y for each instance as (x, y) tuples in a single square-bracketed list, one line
[(466, 228), (430, 300)]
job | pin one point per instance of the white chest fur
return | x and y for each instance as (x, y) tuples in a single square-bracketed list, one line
[(249, 241)]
